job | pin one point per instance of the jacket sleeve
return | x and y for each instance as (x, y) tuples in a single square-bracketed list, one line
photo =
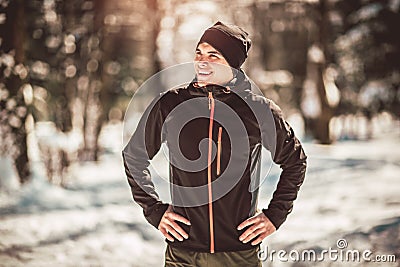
[(288, 153), (141, 148)]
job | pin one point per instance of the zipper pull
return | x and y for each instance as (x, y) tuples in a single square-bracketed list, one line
[(209, 100)]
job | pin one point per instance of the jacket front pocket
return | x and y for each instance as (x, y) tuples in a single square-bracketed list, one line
[(219, 148)]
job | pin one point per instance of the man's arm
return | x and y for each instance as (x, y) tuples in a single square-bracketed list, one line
[(142, 147), (289, 154)]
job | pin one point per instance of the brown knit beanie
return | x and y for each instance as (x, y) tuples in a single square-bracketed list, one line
[(230, 40)]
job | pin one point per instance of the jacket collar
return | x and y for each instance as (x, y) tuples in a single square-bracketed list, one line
[(239, 85)]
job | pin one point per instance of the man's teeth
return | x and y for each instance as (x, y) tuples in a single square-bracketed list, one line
[(205, 72)]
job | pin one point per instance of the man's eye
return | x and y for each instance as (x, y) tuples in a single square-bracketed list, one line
[(214, 56)]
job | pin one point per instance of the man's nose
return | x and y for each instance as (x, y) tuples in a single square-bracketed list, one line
[(202, 63)]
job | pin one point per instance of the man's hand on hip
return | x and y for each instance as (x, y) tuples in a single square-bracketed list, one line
[(260, 228), (168, 225)]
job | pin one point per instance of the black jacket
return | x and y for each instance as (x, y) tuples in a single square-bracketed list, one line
[(227, 161)]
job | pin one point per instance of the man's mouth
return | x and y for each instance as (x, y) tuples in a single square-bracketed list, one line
[(204, 73)]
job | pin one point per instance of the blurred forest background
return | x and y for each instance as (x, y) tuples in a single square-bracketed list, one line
[(68, 70), (70, 67)]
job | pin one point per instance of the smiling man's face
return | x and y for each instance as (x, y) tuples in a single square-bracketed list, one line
[(211, 67)]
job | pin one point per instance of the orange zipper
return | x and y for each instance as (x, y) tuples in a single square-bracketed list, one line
[(219, 151), (211, 107)]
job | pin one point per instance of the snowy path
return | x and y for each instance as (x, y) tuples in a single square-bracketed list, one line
[(93, 223), (351, 191)]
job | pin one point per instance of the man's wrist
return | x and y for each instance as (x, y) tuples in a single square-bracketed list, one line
[(274, 217), (156, 214)]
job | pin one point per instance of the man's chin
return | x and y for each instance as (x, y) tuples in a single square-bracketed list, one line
[(203, 82)]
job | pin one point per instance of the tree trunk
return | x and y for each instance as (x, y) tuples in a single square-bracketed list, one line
[(319, 126), (93, 110), (155, 13), (321, 130), (13, 33)]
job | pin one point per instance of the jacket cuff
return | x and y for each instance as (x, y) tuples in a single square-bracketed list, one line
[(275, 216), (155, 216)]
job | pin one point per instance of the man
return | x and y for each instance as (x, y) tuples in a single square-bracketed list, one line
[(215, 129)]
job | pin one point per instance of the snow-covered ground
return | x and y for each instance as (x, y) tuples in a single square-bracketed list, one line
[(351, 192)]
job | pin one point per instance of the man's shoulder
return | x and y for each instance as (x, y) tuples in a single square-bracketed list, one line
[(261, 99), (172, 96), (174, 92), (264, 102)]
